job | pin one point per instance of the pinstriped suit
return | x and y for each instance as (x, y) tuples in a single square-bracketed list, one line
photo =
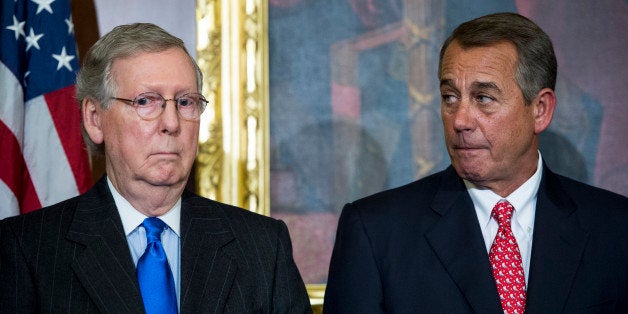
[(73, 257)]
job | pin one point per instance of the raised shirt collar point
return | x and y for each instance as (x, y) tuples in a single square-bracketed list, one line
[(132, 218), (521, 199)]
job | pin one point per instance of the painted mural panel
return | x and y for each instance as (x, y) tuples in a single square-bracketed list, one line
[(355, 107)]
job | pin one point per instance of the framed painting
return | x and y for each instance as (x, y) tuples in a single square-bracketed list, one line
[(316, 103)]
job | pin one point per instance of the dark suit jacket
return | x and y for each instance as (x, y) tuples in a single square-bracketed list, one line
[(74, 257), (419, 249)]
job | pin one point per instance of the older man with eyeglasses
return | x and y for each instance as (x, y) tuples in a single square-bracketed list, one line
[(137, 241)]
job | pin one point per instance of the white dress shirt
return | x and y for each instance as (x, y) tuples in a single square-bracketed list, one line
[(136, 234), (523, 199)]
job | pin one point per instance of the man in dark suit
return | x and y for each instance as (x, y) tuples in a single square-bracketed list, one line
[(496, 232), (137, 242)]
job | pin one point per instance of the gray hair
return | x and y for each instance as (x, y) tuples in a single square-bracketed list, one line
[(94, 79), (536, 64)]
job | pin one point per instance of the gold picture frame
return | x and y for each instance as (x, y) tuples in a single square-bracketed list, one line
[(233, 159)]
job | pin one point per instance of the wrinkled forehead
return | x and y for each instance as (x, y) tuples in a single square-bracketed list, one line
[(501, 57), (170, 66), (504, 48)]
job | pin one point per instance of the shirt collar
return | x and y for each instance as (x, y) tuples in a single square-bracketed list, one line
[(132, 218), (522, 199)]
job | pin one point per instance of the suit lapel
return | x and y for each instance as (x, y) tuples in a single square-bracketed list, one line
[(457, 240), (104, 266), (557, 247), (208, 266)]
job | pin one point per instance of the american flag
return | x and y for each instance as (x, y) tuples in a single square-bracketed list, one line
[(42, 155)]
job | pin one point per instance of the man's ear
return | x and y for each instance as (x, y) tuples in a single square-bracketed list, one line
[(92, 112), (544, 104)]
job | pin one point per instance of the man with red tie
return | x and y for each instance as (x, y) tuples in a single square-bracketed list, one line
[(497, 231)]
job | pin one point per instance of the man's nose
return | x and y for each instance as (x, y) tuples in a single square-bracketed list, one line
[(464, 117), (170, 117)]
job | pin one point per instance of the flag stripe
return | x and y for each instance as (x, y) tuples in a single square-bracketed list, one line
[(49, 167), (67, 120), (10, 206), (15, 177), (12, 106)]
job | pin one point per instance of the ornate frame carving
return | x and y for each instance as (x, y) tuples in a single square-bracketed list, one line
[(233, 159), (232, 54)]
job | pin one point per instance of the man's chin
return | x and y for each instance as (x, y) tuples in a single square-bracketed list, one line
[(469, 172), (166, 178)]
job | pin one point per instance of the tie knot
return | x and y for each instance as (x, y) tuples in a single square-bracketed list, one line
[(503, 212), (154, 226)]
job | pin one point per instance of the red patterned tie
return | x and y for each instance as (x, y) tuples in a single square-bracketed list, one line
[(506, 262)]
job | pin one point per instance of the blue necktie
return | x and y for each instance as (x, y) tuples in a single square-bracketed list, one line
[(153, 271)]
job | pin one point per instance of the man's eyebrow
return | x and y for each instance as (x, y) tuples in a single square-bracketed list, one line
[(474, 86), (447, 82), (485, 86)]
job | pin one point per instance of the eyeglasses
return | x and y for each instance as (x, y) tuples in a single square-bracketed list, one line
[(150, 105)]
